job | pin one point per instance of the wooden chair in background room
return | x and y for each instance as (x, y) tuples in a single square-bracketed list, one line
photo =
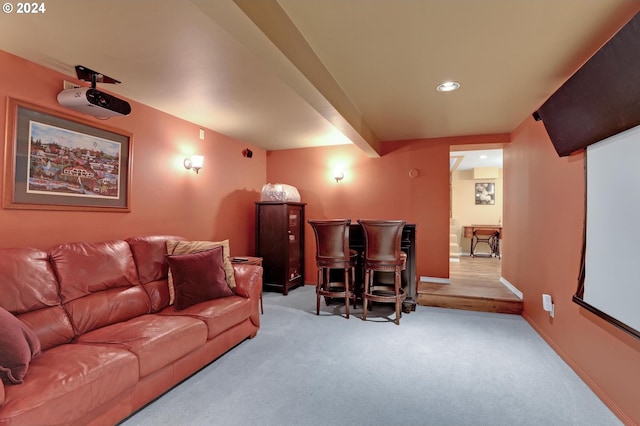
[(382, 253), (332, 252), (490, 237)]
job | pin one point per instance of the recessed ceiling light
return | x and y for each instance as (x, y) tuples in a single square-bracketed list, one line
[(448, 86), (482, 157)]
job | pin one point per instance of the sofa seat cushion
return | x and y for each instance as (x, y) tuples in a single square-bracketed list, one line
[(68, 381), (157, 340), (218, 314)]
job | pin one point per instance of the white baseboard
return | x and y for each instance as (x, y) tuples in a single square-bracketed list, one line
[(511, 287), (434, 280)]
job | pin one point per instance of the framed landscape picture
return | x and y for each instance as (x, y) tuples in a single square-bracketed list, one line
[(55, 161), (485, 193)]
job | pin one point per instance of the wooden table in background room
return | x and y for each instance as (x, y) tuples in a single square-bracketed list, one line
[(468, 230)]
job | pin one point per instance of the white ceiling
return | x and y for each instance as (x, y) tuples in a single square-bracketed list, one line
[(469, 160), (296, 73)]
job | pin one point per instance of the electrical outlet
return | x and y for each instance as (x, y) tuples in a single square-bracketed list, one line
[(69, 85)]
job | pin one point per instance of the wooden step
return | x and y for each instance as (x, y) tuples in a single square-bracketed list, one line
[(470, 303), (475, 286)]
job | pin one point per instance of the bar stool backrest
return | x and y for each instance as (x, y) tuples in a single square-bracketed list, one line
[(382, 241), (332, 241)]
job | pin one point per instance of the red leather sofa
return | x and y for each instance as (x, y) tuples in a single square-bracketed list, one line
[(109, 341)]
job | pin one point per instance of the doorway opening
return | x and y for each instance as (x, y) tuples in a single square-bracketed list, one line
[(476, 204), (476, 198)]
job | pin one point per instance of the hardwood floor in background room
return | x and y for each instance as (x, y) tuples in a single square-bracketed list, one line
[(475, 286)]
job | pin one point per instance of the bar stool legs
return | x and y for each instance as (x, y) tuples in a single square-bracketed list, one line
[(398, 295), (324, 288), (365, 290)]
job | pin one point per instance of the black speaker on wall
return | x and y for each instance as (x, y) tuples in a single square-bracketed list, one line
[(601, 99)]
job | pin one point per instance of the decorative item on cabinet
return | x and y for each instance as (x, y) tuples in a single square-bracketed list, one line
[(280, 243)]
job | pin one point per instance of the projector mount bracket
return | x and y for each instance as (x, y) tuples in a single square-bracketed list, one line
[(86, 74)]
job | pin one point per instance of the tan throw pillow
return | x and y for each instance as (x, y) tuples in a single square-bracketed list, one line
[(189, 247)]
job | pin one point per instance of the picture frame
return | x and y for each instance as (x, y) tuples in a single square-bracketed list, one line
[(485, 193), (56, 161)]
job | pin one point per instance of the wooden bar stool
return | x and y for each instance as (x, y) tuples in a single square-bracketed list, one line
[(332, 252), (382, 253)]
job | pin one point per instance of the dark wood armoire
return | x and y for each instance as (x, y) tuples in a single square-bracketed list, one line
[(280, 243)]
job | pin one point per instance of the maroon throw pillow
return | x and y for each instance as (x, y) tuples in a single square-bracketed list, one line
[(198, 277), (18, 345)]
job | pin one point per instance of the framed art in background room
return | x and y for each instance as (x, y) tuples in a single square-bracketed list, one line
[(486, 193)]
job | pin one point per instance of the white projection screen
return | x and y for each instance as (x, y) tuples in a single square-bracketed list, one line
[(610, 283)]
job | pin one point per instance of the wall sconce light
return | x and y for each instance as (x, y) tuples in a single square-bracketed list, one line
[(194, 162), (338, 174)]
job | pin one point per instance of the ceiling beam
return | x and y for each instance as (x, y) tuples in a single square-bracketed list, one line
[(334, 104)]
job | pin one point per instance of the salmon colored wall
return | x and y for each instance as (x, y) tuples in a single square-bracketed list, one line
[(378, 188), (544, 216), (165, 198)]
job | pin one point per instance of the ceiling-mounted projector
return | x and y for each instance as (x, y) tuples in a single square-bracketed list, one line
[(90, 100), (93, 102)]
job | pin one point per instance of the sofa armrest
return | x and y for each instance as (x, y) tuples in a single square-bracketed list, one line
[(249, 285), (248, 280)]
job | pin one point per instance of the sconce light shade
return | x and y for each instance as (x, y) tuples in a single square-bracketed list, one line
[(194, 162), (338, 174)]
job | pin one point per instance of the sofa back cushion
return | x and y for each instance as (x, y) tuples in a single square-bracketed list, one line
[(29, 289), (149, 253), (98, 283)]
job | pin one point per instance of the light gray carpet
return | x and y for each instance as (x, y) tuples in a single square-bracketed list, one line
[(439, 367)]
